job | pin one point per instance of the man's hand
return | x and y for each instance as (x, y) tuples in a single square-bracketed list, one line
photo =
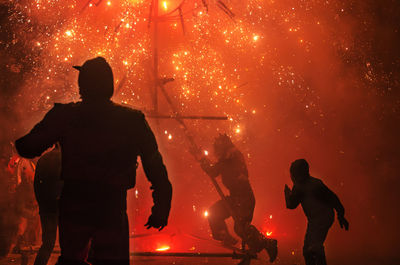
[(343, 223), (287, 190), (156, 223)]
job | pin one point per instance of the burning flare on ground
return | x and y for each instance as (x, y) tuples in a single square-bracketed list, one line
[(163, 248)]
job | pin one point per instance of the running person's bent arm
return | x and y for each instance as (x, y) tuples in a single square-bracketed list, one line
[(334, 201), (156, 173)]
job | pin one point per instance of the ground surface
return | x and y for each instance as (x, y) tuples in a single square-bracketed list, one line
[(190, 244), (16, 260)]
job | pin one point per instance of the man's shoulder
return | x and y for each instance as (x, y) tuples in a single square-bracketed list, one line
[(65, 106), (60, 111), (135, 113), (317, 183)]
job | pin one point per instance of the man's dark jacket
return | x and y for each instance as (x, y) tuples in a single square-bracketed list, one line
[(100, 143)]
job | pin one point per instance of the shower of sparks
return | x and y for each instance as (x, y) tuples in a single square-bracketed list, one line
[(212, 64), (201, 65)]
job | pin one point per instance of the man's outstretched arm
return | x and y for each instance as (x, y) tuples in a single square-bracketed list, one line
[(156, 173), (41, 137)]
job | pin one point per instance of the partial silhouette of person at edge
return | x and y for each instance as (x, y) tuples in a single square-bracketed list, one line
[(241, 201), (100, 142), (47, 185), (318, 203)]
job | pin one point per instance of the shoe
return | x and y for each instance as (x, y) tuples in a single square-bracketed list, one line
[(272, 249)]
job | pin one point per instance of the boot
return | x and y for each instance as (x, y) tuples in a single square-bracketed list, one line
[(257, 242), (271, 246)]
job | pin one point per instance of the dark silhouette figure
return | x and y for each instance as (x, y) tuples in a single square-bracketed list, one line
[(9, 217), (47, 185), (318, 202), (100, 142), (27, 209), (239, 204)]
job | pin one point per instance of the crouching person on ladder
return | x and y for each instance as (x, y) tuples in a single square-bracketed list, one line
[(239, 204)]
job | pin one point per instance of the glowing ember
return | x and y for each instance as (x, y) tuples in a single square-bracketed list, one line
[(165, 5), (205, 213), (268, 233), (68, 33), (163, 248), (206, 152)]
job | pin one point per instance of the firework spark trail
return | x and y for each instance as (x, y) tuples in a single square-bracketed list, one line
[(209, 65)]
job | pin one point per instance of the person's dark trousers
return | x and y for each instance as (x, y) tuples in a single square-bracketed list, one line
[(93, 217), (49, 223), (218, 212), (109, 243), (243, 208), (313, 249)]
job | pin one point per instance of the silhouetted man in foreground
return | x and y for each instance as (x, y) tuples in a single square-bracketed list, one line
[(100, 142), (318, 202), (239, 204), (47, 185)]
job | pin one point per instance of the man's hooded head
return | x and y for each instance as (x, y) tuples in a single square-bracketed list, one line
[(299, 170), (96, 81), (222, 144)]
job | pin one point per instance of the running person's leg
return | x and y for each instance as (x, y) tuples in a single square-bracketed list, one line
[(217, 214), (49, 223), (110, 244)]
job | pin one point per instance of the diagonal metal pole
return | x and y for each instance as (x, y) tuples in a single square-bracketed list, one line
[(195, 147), (158, 84), (155, 54)]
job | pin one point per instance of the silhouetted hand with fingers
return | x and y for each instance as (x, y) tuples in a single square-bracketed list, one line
[(287, 189), (156, 223), (343, 223)]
